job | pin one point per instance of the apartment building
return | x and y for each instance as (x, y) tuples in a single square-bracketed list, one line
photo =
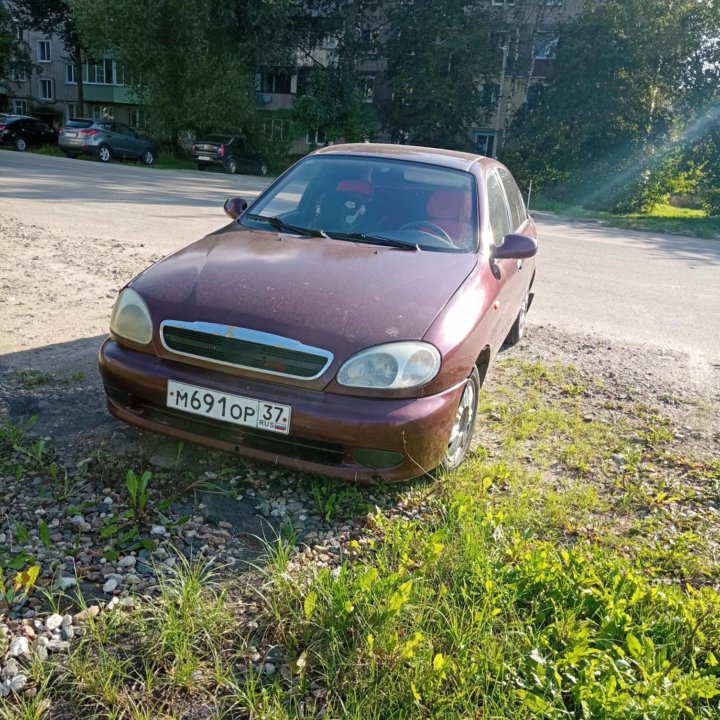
[(51, 91)]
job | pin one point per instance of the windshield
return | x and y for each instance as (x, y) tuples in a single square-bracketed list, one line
[(379, 200)]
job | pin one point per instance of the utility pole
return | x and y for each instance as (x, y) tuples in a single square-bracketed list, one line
[(498, 114)]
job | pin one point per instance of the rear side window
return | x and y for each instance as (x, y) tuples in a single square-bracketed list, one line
[(518, 214), (78, 123), (497, 209)]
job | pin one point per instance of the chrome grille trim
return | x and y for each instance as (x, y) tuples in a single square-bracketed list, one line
[(249, 342)]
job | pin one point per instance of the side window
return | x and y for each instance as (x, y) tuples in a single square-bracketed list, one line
[(518, 214), (239, 145), (123, 129), (497, 208)]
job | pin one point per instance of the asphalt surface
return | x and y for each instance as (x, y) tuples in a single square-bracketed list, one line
[(658, 290)]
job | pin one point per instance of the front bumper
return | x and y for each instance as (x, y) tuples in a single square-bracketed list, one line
[(331, 434)]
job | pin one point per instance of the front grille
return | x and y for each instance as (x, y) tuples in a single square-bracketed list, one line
[(246, 353)]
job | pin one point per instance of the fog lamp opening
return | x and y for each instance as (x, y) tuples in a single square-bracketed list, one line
[(370, 457)]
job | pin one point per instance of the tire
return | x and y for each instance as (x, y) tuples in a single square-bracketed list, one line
[(517, 331), (231, 166), (104, 154), (20, 144), (464, 424), (148, 156), (200, 166), (263, 168)]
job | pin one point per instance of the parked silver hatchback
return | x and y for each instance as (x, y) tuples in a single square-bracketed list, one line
[(106, 139)]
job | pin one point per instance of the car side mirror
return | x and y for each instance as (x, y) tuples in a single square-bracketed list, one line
[(235, 207), (516, 247)]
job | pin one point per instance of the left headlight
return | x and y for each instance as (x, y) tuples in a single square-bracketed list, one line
[(393, 366), (130, 318)]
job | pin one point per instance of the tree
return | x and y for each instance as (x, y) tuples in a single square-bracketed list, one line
[(439, 55), (335, 103), (14, 53), (55, 17), (608, 129), (190, 62)]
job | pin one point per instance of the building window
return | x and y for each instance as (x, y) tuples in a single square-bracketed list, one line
[(544, 45), (367, 87), (70, 111), (316, 137), (46, 89), (43, 51), (503, 2), (138, 117), (19, 107), (273, 83), (276, 129), (70, 74), (485, 143)]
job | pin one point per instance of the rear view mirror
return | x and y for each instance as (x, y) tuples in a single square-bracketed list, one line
[(235, 206), (516, 247)]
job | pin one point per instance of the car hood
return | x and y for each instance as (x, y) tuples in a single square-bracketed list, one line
[(336, 295)]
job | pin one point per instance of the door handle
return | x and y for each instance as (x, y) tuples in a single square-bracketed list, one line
[(519, 265)]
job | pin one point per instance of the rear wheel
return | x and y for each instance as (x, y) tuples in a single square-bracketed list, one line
[(231, 166), (148, 157), (20, 144), (200, 166), (464, 424), (104, 154), (263, 168)]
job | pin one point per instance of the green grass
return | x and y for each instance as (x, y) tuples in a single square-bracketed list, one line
[(664, 218), (559, 574)]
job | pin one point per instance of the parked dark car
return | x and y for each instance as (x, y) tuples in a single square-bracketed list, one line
[(105, 139), (342, 324), (231, 152), (23, 131)]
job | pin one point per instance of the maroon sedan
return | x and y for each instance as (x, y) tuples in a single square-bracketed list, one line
[(342, 324)]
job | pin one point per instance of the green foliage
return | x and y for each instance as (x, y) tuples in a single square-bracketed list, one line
[(190, 62), (14, 595), (14, 53), (438, 56), (611, 128)]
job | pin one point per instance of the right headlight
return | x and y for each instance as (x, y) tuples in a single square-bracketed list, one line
[(130, 318), (393, 366)]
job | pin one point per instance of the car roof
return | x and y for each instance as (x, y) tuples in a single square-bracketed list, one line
[(214, 137), (13, 116), (432, 156)]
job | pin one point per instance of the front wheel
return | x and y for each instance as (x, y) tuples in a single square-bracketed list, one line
[(464, 424), (20, 144), (517, 331), (104, 154), (148, 157), (263, 168)]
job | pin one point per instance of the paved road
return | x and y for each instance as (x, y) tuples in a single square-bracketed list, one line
[(654, 289)]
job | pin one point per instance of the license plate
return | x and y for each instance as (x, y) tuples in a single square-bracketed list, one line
[(204, 157), (229, 408), (70, 134)]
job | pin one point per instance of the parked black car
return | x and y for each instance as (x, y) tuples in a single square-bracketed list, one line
[(106, 139), (22, 131), (231, 152)]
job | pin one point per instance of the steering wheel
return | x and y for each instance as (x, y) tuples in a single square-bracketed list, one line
[(435, 230)]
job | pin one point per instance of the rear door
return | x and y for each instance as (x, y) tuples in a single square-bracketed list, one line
[(132, 144), (505, 271)]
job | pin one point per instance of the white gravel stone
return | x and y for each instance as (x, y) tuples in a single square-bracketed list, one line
[(110, 585), (19, 647), (53, 622), (157, 530)]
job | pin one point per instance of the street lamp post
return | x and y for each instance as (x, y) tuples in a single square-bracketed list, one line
[(498, 114)]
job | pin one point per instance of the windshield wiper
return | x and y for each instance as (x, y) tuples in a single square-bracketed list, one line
[(279, 224), (373, 240)]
